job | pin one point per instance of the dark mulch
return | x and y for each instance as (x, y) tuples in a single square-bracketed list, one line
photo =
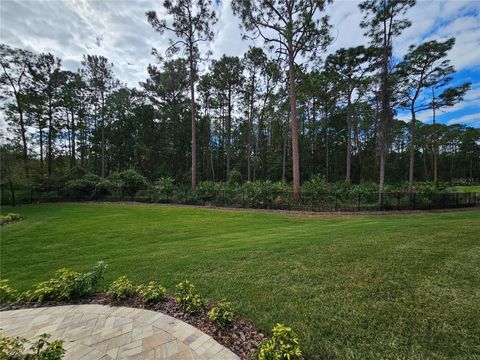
[(241, 336)]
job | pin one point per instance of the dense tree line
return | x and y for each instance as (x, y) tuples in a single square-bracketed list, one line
[(285, 112)]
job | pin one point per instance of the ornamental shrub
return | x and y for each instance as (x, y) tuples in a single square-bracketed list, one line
[(40, 349), (187, 297), (67, 285), (8, 218), (151, 292), (121, 289), (283, 344), (222, 313), (7, 293), (129, 182)]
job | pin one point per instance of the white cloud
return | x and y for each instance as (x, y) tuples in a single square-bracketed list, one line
[(471, 119), (69, 29)]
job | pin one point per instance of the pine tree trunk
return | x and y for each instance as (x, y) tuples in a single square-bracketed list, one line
[(194, 123), (349, 139), (294, 124), (412, 150)]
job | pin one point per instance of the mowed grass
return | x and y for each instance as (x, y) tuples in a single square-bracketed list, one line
[(353, 287), (467, 188)]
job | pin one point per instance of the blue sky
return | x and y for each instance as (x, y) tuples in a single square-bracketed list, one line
[(118, 29)]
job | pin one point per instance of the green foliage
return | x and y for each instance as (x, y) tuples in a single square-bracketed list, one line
[(17, 348), (187, 297), (10, 217), (121, 289), (129, 181), (151, 292), (222, 313), (283, 344), (235, 177), (57, 288), (67, 285), (165, 185), (7, 293), (316, 183)]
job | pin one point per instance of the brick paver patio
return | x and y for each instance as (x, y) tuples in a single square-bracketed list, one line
[(93, 332)]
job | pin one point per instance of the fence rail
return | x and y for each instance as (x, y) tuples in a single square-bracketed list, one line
[(265, 200)]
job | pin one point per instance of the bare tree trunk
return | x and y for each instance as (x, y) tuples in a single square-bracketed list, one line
[(73, 159), (103, 136), (50, 136), (434, 154), (41, 145), (24, 141), (325, 139), (294, 124), (349, 139), (229, 128), (412, 150), (250, 126), (194, 122)]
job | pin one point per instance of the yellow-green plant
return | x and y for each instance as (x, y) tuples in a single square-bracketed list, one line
[(187, 297), (7, 293), (39, 349), (121, 289), (283, 344), (10, 217), (222, 313), (151, 292)]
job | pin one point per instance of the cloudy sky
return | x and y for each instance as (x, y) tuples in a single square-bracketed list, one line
[(118, 30)]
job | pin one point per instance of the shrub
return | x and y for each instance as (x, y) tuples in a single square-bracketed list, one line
[(67, 284), (165, 185), (129, 182), (222, 313), (235, 177), (86, 283), (121, 289), (187, 297), (7, 293), (283, 344), (40, 349), (316, 184), (151, 292), (57, 288), (10, 217)]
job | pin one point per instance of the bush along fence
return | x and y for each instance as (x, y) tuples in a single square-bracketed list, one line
[(256, 199)]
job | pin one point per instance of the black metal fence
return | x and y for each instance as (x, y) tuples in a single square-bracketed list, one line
[(344, 201)]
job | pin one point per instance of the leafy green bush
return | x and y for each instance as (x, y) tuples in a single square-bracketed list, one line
[(17, 348), (7, 293), (10, 217), (283, 344), (187, 297), (151, 292), (165, 185), (67, 284), (129, 182), (57, 288), (316, 184), (222, 313), (87, 283), (121, 289), (235, 177)]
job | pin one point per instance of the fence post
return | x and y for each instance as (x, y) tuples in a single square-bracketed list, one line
[(58, 193), (336, 201), (414, 201), (398, 202), (456, 200), (381, 201), (31, 194), (358, 203)]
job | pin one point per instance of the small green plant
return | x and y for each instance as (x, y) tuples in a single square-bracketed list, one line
[(151, 292), (8, 218), (7, 293), (121, 289), (187, 297), (283, 344), (222, 313), (57, 288), (67, 284), (40, 349)]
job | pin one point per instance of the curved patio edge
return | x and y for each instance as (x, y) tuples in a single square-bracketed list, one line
[(93, 332)]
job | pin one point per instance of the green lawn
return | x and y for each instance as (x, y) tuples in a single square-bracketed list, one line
[(467, 188), (354, 287)]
